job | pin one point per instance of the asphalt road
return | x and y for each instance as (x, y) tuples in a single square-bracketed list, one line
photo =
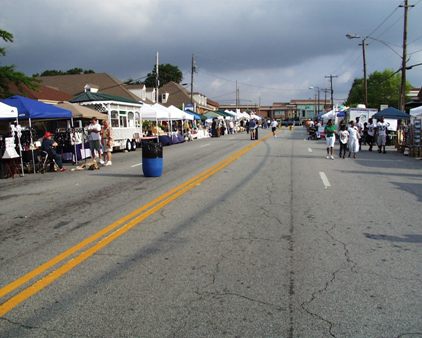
[(238, 238)]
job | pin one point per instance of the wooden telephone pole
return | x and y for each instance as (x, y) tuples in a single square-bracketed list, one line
[(402, 105), (331, 88)]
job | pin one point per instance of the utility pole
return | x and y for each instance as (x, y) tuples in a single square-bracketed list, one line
[(326, 91), (157, 81), (404, 57), (318, 102), (237, 97), (365, 80), (193, 70), (331, 86)]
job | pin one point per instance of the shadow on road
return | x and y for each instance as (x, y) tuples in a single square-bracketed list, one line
[(162, 245), (404, 239)]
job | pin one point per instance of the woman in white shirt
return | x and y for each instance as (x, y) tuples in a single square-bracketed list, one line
[(353, 139)]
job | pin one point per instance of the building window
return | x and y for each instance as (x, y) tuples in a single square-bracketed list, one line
[(131, 119), (114, 119), (137, 120), (123, 119)]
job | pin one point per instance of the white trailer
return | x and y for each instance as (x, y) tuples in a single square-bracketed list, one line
[(364, 114), (125, 121)]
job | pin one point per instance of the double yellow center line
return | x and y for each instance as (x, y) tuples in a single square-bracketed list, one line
[(104, 237)]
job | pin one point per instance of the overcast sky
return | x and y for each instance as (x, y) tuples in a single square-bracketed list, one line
[(275, 49)]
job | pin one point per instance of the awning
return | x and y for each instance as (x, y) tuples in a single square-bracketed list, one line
[(81, 112)]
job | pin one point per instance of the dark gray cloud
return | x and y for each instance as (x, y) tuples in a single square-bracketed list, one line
[(275, 49)]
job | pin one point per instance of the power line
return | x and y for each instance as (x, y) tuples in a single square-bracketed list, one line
[(253, 85), (416, 51), (384, 21), (389, 27)]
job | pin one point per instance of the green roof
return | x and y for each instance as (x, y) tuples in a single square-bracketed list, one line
[(89, 96)]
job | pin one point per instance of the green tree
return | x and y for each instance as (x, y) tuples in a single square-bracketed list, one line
[(133, 82), (166, 73), (383, 88), (9, 75), (53, 72)]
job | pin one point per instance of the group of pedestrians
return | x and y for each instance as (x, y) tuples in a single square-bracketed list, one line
[(352, 136)]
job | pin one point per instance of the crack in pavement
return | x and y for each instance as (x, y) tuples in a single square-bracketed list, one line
[(349, 260), (291, 242), (316, 293), (314, 296), (353, 268), (48, 331)]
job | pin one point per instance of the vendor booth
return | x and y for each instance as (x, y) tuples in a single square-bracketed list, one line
[(410, 134), (30, 110), (398, 132), (416, 112), (74, 140)]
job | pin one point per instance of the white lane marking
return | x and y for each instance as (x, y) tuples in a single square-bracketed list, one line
[(310, 150), (324, 179), (136, 165), (204, 145)]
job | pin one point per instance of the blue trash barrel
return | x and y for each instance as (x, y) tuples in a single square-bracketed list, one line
[(152, 158)]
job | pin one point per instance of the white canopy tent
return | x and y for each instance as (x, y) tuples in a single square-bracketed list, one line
[(330, 115), (231, 112), (151, 113), (10, 113), (177, 114), (245, 115), (416, 112)]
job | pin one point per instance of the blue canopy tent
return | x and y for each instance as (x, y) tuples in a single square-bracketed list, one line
[(32, 109), (195, 115), (391, 113)]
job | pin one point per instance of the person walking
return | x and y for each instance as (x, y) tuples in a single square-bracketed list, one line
[(353, 139), (94, 130), (344, 139), (274, 125), (382, 135), (359, 126), (106, 142), (252, 126), (330, 138), (231, 127), (370, 134)]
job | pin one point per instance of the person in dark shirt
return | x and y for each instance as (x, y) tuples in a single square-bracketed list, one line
[(48, 145)]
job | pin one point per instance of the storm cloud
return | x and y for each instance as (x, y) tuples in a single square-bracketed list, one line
[(274, 49)]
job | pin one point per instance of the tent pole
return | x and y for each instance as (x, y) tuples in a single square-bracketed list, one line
[(20, 145), (74, 142), (32, 144)]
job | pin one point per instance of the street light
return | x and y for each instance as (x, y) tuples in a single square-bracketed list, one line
[(365, 82)]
